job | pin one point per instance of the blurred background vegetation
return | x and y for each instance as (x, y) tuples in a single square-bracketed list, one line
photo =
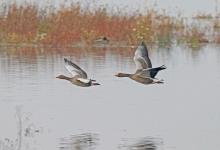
[(74, 24)]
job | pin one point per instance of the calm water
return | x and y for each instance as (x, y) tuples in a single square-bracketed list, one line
[(182, 114)]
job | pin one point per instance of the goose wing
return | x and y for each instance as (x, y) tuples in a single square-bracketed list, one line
[(83, 80), (153, 81), (141, 57), (144, 73), (74, 69)]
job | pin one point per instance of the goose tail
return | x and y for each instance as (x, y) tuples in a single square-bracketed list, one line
[(162, 67), (95, 83), (159, 81)]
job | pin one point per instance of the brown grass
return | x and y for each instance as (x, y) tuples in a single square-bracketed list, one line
[(72, 25)]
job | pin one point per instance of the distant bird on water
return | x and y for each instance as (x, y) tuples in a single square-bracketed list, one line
[(79, 76), (102, 40), (144, 74)]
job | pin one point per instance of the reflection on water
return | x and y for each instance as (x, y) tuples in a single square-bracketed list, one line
[(146, 143), (183, 110), (7, 144), (86, 141), (25, 134)]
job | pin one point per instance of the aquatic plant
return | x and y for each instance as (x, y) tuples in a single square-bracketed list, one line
[(202, 15), (25, 129), (75, 24)]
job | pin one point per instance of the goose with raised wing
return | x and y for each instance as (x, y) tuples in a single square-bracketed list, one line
[(144, 72), (79, 76)]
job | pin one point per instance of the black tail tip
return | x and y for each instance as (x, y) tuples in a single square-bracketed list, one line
[(96, 84), (163, 67), (160, 81)]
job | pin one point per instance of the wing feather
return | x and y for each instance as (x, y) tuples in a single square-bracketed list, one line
[(74, 69), (145, 73), (141, 57), (83, 80)]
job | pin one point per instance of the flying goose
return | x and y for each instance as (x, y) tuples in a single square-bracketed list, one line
[(79, 76), (144, 72)]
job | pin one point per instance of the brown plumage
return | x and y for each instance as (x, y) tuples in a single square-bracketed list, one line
[(140, 79), (79, 76), (144, 74)]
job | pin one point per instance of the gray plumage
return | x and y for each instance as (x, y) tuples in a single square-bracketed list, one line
[(79, 76), (143, 63), (141, 57), (144, 74), (74, 69)]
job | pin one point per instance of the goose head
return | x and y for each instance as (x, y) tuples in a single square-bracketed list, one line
[(61, 77)]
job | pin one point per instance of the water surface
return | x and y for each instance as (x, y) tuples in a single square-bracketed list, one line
[(183, 112)]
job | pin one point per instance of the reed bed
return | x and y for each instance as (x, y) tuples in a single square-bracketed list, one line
[(74, 25)]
